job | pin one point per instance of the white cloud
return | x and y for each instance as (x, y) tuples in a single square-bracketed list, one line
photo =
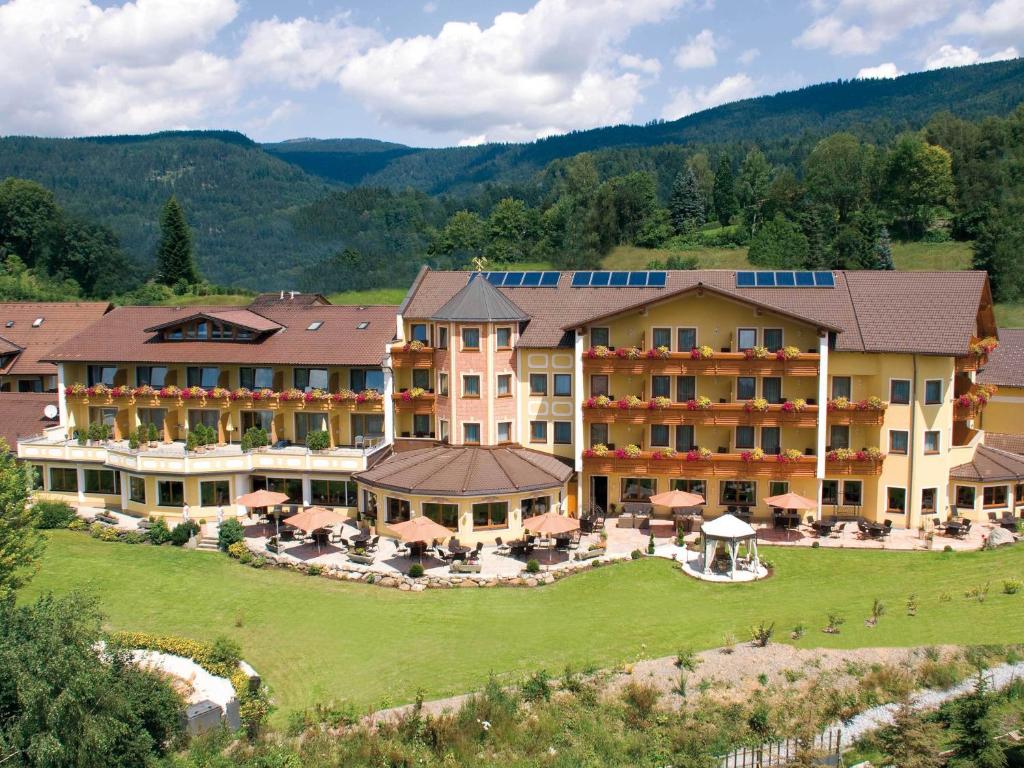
[(838, 37), (749, 55), (699, 52), (73, 67), (857, 27), (474, 141), (429, 7), (551, 69), (302, 52), (688, 100), (1002, 20), (881, 72), (959, 56), (640, 63)]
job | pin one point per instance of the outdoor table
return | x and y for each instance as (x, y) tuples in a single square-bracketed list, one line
[(1009, 523), (458, 551), (322, 536), (952, 529), (823, 527), (360, 538)]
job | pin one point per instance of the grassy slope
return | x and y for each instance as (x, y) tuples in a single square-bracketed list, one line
[(319, 640)]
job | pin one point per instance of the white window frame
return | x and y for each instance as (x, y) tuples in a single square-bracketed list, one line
[(671, 332), (910, 389), (696, 337), (443, 391), (938, 445), (497, 387), (479, 385), (906, 500), (924, 394), (590, 334), (547, 432), (480, 432), (757, 336), (511, 340), (782, 334), (479, 337), (888, 442), (497, 432), (668, 436)]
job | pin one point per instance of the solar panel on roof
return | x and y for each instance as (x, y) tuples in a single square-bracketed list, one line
[(745, 280), (513, 278), (580, 279), (804, 279), (531, 279), (549, 279), (600, 278), (765, 279), (785, 279), (637, 279), (495, 278), (619, 279), (824, 280), (656, 279)]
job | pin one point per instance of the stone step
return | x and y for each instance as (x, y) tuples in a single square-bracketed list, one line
[(207, 543)]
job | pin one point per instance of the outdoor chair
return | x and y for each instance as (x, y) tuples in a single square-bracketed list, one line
[(359, 441), (574, 540), (936, 523), (443, 556), (501, 547), (966, 529), (401, 549), (474, 554), (888, 528), (335, 536), (371, 546)]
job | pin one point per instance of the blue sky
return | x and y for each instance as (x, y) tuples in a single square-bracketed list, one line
[(444, 72)]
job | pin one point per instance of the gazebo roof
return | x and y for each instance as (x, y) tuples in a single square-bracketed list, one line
[(727, 527)]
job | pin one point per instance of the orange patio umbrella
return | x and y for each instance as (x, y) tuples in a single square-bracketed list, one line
[(791, 501), (261, 498), (674, 499), (314, 518), (551, 523), (420, 530)]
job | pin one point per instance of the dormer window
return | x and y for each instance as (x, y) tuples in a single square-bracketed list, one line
[(9, 324), (202, 330)]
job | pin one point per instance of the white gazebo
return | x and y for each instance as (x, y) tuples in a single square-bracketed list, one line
[(732, 532)]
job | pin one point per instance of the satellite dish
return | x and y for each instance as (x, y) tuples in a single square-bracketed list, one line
[(50, 411)]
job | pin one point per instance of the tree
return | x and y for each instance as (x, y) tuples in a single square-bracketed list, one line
[(724, 190), (175, 263), (700, 166), (63, 704), (462, 237), (997, 251), (686, 208), (20, 543), (912, 741), (975, 729), (635, 201), (510, 231), (917, 182), (838, 173), (779, 243), (813, 226), (883, 251), (754, 187), (28, 214)]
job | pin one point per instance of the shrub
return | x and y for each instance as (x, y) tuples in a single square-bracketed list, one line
[(314, 570), (815, 544), (78, 524), (183, 532), (254, 437), (109, 533), (636, 554), (158, 532), (318, 441), (798, 631), (237, 549), (835, 621), (762, 634), (533, 567), (1011, 586), (687, 659), (231, 532), (948, 548), (912, 605), (133, 537), (95, 529), (258, 561), (536, 687), (640, 700), (415, 571), (650, 545), (53, 514)]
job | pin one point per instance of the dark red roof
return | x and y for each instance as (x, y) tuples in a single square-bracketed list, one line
[(21, 415), (990, 465), (60, 321), (1005, 366)]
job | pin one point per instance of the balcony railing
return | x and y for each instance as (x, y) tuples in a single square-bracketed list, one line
[(218, 397), (867, 412), (725, 465), (714, 414), (416, 404), (412, 356), (686, 364), (972, 402), (977, 357)]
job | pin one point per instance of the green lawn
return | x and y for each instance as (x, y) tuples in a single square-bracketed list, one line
[(319, 640), (369, 296), (222, 299)]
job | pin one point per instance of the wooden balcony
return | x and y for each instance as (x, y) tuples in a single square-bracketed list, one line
[(419, 405), (227, 401), (719, 414), (412, 358), (720, 364), (723, 465), (867, 467), (872, 418)]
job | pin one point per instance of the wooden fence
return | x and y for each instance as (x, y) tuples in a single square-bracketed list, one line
[(780, 753)]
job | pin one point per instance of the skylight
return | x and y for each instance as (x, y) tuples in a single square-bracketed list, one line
[(363, 326), (37, 322), (315, 326), (9, 324)]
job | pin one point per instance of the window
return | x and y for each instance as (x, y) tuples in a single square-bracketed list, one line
[(208, 418), (686, 388), (170, 493), (538, 431), (490, 515), (367, 424), (778, 487), (563, 432), (742, 492), (306, 423), (538, 383), (308, 379), (686, 339), (1019, 493), (364, 378), (370, 504), (102, 481), (598, 385), (256, 378), (928, 500), (418, 332), (316, 325), (931, 441), (699, 487), (151, 375), (36, 477), (638, 488), (421, 378), (202, 330), (599, 434), (933, 392), (659, 435), (841, 387), (746, 388), (853, 493), (896, 501), (205, 377), (214, 493), (899, 391), (471, 433), (562, 384), (746, 338), (442, 337), (771, 389), (398, 510), (421, 424), (995, 495), (503, 337), (103, 416), (442, 384), (744, 437), (830, 492), (535, 506), (839, 436), (661, 386), (504, 431), (333, 493), (504, 385), (599, 337), (27, 385), (137, 489), (471, 385), (471, 339), (444, 430), (153, 416), (771, 440), (898, 441), (442, 514), (258, 419), (685, 440), (661, 337), (102, 374), (965, 496), (773, 339)]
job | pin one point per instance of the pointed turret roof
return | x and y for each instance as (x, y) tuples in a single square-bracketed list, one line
[(479, 301)]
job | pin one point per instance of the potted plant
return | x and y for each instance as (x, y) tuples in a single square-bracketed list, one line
[(318, 441), (360, 556)]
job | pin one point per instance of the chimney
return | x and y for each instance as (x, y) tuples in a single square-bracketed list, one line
[(282, 295), (291, 295)]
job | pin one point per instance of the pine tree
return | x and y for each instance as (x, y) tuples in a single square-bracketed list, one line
[(175, 263), (686, 208), (912, 741), (883, 251), (975, 728), (724, 191), (817, 240)]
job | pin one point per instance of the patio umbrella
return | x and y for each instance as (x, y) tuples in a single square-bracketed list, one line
[(420, 529), (263, 498), (791, 501), (315, 518), (551, 523), (675, 499)]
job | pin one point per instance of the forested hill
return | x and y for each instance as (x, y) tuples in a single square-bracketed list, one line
[(876, 109)]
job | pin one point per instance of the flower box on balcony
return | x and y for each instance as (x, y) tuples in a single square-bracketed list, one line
[(413, 354), (850, 462), (700, 463), (793, 414), (688, 363)]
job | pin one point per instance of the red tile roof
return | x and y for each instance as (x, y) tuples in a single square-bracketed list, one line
[(990, 465), (61, 321), (876, 311), (1005, 366), (1005, 442), (119, 337), (21, 415), (240, 317)]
